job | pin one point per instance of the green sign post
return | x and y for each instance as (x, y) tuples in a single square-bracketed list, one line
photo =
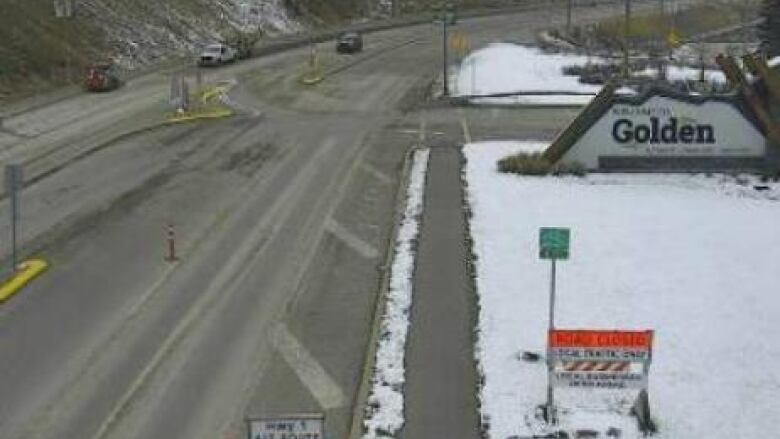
[(553, 245)]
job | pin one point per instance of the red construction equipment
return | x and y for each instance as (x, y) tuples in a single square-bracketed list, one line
[(101, 77)]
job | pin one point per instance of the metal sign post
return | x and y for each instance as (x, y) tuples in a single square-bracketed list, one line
[(626, 39), (13, 182), (553, 245), (444, 50), (447, 17), (550, 365)]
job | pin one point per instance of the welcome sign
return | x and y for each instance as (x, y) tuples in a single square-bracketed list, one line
[(662, 131), (633, 131)]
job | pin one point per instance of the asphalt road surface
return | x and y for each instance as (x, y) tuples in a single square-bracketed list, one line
[(282, 217)]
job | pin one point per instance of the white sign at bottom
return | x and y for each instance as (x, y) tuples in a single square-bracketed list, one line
[(300, 426)]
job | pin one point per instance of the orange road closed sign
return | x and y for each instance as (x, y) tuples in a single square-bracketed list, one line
[(599, 339), (599, 359)]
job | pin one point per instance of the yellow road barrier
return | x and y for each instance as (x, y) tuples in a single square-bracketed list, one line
[(28, 270), (215, 91), (203, 113)]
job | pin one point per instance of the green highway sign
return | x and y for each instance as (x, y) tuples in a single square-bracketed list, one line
[(554, 243)]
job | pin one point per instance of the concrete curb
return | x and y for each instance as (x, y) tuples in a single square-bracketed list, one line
[(465, 103), (476, 304), (210, 113), (28, 270), (369, 363)]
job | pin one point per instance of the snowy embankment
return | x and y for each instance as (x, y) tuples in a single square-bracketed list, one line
[(139, 36), (509, 68), (506, 68), (384, 411), (692, 257)]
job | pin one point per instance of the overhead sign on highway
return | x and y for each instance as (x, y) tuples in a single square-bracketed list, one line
[(298, 426)]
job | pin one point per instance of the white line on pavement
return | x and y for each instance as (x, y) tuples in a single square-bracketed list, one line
[(379, 175), (309, 371), (354, 242)]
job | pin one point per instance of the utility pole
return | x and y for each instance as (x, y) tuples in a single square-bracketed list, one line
[(13, 182), (626, 33), (444, 51), (568, 17), (663, 44), (66, 9)]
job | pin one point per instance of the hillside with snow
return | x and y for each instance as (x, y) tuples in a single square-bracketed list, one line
[(42, 37)]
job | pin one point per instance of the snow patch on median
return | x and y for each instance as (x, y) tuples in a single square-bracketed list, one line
[(384, 411), (506, 68)]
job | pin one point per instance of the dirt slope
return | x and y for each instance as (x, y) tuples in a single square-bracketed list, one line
[(38, 48)]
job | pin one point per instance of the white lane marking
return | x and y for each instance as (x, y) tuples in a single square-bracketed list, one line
[(353, 241), (309, 371), (226, 279), (379, 175)]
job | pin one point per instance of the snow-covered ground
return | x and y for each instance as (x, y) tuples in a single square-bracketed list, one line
[(267, 16), (385, 408), (693, 257), (507, 68), (675, 73), (503, 68)]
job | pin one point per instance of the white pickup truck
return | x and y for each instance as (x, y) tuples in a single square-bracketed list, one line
[(216, 54)]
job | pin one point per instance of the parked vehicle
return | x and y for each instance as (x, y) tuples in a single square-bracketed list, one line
[(102, 77), (216, 54), (349, 42)]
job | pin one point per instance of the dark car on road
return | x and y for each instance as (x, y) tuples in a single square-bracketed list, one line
[(349, 42)]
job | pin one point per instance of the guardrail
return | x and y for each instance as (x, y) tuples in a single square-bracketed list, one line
[(299, 40)]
